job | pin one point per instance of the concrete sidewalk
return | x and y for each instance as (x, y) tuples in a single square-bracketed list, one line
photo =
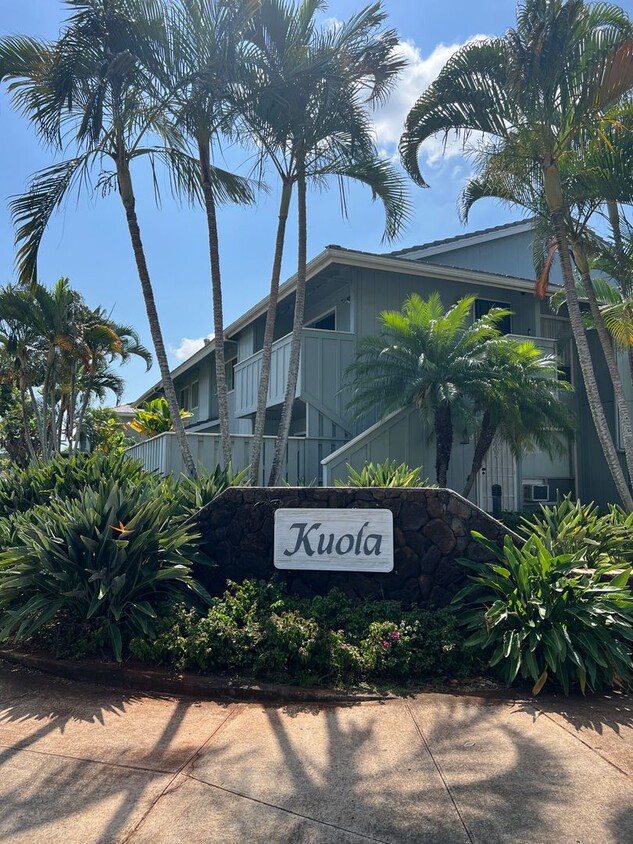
[(82, 764)]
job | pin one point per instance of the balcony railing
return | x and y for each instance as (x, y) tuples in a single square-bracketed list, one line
[(324, 357)]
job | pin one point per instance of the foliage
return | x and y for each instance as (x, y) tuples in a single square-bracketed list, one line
[(58, 354), (193, 494), (105, 431), (538, 614), (438, 360), (601, 540), (66, 477), (257, 628), (13, 428), (384, 474), (153, 418), (108, 555)]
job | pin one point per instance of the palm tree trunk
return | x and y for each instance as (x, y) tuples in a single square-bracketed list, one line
[(553, 192), (609, 355), (25, 424), (216, 289), (443, 442), (616, 230), (295, 344), (269, 333), (129, 203), (487, 433), (82, 414), (38, 419)]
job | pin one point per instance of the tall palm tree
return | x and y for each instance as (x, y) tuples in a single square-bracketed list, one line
[(96, 89), (205, 60), (309, 120), (519, 404), (547, 83), (601, 173), (434, 359)]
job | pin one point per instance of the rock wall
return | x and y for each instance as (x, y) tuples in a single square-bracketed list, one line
[(432, 530)]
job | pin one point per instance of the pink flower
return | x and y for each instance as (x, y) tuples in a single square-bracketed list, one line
[(346, 646), (385, 644), (395, 635)]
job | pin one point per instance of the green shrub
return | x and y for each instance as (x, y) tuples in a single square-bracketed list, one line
[(21, 489), (538, 615), (108, 556), (384, 475), (257, 629), (192, 494), (570, 527)]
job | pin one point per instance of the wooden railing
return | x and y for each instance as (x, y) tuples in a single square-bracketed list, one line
[(302, 465)]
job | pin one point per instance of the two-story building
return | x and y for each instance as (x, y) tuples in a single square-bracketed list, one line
[(346, 291)]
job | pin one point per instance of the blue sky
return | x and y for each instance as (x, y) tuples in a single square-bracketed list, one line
[(88, 242)]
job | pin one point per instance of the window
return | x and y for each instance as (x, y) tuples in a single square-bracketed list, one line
[(482, 306), (183, 398), (327, 322), (194, 395)]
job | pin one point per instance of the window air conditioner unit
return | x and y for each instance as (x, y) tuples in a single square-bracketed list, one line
[(535, 493)]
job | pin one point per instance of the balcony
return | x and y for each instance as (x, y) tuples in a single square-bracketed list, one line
[(302, 465), (324, 358)]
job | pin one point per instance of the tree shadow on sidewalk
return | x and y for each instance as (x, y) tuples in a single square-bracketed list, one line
[(86, 758)]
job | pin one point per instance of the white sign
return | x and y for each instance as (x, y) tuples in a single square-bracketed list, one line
[(334, 540)]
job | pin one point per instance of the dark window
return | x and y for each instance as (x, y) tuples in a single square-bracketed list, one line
[(482, 306), (184, 399), (194, 395), (325, 323)]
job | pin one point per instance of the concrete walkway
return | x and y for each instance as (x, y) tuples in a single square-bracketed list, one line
[(82, 764)]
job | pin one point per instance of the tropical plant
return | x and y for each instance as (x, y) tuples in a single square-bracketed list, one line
[(154, 417), (65, 477), (306, 112), (108, 556), (206, 40), (105, 431), (18, 430), (59, 353), (192, 494), (384, 474), (96, 91), (542, 615), (542, 89), (429, 357), (519, 404), (597, 176), (602, 540)]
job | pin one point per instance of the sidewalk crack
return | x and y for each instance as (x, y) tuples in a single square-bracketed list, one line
[(233, 712), (441, 774)]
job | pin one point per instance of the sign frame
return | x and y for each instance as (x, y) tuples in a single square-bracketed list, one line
[(328, 539)]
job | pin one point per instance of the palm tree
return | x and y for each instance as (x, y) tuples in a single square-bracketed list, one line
[(308, 118), (519, 403), (434, 359), (601, 173), (97, 85), (206, 40), (543, 87), (104, 341)]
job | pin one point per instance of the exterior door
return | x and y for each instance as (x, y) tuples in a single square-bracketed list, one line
[(500, 467)]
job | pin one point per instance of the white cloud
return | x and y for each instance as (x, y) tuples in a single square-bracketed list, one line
[(414, 80), (189, 346)]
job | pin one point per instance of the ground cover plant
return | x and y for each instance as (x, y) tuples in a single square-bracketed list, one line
[(258, 629), (541, 614)]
